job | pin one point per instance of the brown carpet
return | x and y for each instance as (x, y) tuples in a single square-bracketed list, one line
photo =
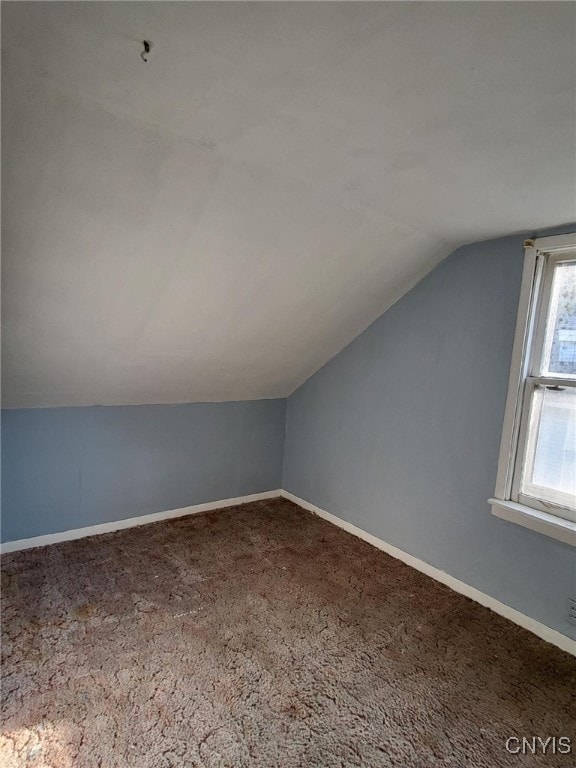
[(262, 636)]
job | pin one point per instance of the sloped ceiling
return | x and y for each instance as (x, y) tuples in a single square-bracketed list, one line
[(217, 223)]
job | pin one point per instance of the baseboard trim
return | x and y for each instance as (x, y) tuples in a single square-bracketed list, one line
[(131, 522), (552, 636)]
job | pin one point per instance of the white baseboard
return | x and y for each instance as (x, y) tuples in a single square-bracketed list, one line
[(131, 522), (546, 633), (541, 630)]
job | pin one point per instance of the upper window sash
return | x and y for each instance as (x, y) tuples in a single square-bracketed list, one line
[(540, 351)]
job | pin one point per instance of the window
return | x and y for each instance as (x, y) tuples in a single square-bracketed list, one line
[(536, 485)]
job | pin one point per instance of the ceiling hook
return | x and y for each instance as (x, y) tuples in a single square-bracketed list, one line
[(147, 45)]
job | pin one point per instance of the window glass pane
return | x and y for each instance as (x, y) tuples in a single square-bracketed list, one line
[(550, 467), (560, 342)]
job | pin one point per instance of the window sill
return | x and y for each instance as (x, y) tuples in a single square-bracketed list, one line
[(542, 522)]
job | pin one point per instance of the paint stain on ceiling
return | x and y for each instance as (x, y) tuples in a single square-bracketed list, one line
[(217, 223)]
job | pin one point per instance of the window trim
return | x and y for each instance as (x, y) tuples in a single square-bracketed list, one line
[(530, 325)]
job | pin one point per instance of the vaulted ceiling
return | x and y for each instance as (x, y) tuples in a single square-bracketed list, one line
[(217, 223)]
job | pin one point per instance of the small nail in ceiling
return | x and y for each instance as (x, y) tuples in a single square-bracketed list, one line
[(147, 45)]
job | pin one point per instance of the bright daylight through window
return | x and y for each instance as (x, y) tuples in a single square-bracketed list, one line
[(537, 471)]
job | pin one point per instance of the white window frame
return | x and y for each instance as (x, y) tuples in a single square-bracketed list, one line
[(508, 503)]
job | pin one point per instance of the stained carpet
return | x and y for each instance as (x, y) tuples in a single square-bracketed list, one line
[(263, 636)]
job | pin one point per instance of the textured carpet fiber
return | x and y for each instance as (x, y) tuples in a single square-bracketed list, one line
[(261, 636)]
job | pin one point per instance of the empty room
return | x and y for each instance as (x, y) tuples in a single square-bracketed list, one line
[(288, 427)]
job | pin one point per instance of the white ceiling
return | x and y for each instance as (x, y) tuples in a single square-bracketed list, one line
[(219, 222)]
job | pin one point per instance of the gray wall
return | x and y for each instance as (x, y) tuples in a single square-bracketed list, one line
[(399, 433), (66, 468)]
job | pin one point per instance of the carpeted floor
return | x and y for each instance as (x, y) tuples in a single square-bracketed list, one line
[(262, 636)]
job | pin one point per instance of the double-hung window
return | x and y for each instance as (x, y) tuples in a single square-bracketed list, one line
[(536, 485)]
